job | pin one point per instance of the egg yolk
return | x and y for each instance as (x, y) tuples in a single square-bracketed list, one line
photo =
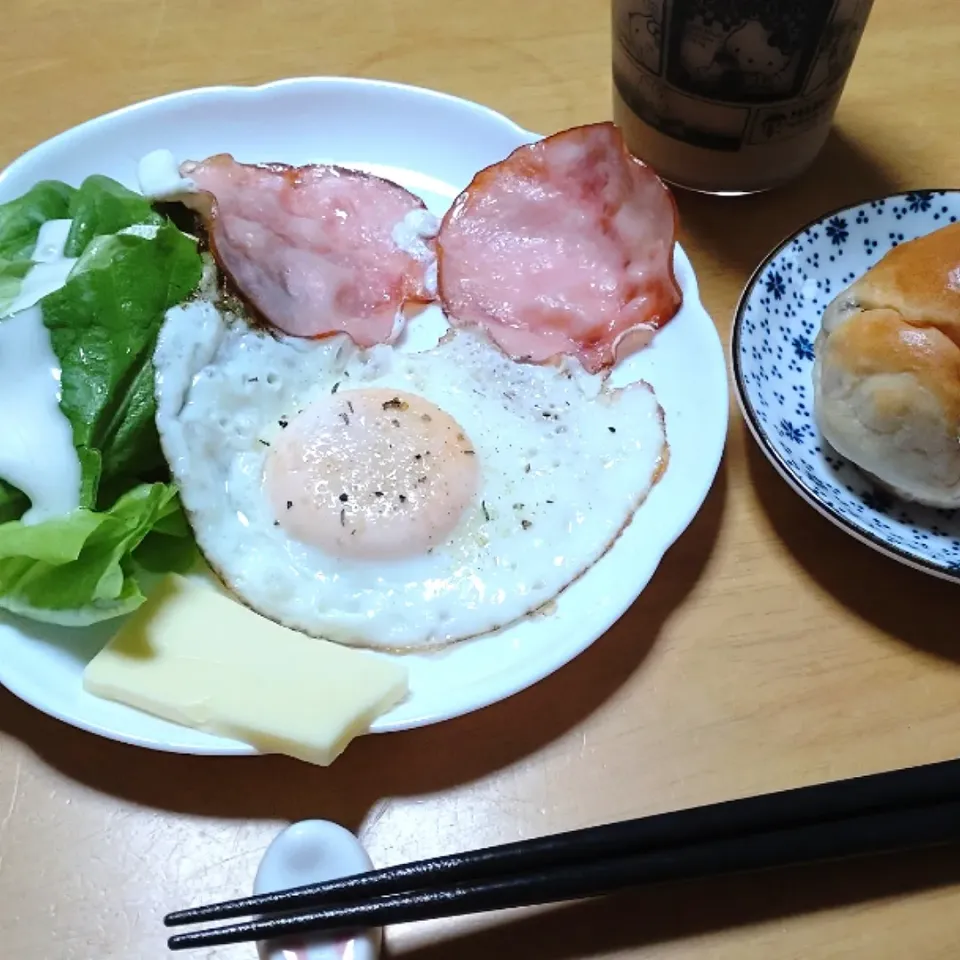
[(371, 474)]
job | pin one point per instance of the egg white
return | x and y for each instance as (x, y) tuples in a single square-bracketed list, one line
[(565, 460)]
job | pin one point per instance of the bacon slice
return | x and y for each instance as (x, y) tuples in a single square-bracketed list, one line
[(317, 249), (564, 247)]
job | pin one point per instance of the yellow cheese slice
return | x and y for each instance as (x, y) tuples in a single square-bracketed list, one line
[(198, 658)]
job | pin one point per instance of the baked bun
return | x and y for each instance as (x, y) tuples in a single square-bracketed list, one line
[(887, 370)]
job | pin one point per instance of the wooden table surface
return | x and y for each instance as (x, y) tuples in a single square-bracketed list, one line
[(769, 650)]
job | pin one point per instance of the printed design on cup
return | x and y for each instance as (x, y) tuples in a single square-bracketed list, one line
[(837, 46), (720, 74), (642, 30), (713, 126), (743, 51), (791, 119)]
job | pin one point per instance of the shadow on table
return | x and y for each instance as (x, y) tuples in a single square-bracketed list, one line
[(740, 231), (911, 606), (414, 762), (680, 911)]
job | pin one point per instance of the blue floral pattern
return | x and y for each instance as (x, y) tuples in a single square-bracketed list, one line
[(802, 348), (774, 342), (775, 285), (836, 230)]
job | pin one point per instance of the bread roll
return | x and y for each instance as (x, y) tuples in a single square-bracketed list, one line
[(887, 370)]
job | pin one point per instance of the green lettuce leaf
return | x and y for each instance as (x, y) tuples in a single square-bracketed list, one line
[(169, 547), (21, 219), (13, 503), (103, 325), (79, 569), (20, 222), (12, 273), (101, 207)]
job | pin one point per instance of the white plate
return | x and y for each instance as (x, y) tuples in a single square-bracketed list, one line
[(433, 144)]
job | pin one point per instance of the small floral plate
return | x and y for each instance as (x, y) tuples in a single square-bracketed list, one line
[(776, 323)]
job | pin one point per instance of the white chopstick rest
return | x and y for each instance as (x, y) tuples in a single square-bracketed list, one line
[(309, 852)]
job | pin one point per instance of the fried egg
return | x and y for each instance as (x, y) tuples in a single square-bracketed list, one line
[(385, 498)]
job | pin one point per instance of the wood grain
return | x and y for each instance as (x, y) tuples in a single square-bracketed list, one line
[(769, 650)]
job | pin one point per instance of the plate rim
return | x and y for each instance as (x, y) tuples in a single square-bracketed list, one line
[(760, 434), (223, 746), (278, 83)]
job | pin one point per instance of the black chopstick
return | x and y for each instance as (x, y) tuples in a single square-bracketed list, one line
[(774, 811), (879, 832)]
